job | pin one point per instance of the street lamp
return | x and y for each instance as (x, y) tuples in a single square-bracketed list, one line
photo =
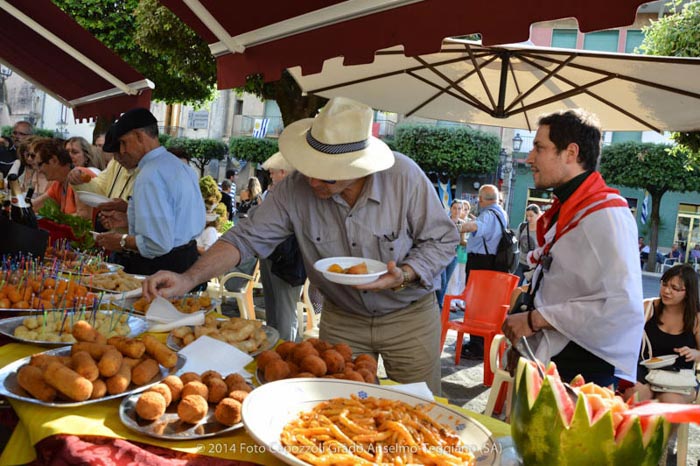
[(517, 143), (5, 73)]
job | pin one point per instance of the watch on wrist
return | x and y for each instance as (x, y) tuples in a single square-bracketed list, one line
[(122, 241), (406, 280)]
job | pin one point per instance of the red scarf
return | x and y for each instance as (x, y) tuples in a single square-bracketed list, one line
[(592, 191)]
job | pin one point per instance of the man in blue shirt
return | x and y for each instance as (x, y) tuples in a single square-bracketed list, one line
[(482, 243), (166, 211)]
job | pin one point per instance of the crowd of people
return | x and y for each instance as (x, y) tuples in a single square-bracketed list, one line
[(336, 190)]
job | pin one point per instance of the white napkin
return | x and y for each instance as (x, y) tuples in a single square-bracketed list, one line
[(419, 389), (206, 353), (163, 316), (125, 295)]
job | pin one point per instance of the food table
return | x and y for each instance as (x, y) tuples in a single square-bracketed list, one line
[(101, 420)]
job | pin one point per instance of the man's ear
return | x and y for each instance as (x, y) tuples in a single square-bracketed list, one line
[(572, 151)]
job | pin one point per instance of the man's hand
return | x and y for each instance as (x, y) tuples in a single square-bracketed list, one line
[(116, 204), (109, 241), (75, 176), (468, 227), (515, 326), (393, 278), (166, 284), (113, 219)]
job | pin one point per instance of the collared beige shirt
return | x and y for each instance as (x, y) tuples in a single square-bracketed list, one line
[(398, 216)]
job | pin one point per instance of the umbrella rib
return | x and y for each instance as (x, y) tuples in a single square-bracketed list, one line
[(521, 97), (477, 68), (517, 88), (465, 97)]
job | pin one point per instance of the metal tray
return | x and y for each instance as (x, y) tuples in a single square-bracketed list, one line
[(11, 389), (272, 337), (137, 326), (169, 426)]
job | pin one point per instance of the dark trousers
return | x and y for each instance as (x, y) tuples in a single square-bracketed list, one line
[(478, 262)]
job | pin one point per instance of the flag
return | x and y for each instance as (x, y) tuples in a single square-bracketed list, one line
[(645, 209), (260, 127), (445, 193)]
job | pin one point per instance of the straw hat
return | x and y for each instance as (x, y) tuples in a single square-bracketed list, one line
[(337, 144), (277, 162)]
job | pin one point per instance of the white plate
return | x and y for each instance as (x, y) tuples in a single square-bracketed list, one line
[(660, 361), (268, 408), (91, 199), (375, 269), (11, 389), (169, 426), (137, 326)]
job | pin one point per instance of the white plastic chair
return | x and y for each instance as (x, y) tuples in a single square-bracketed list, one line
[(500, 376), (683, 430), (668, 263), (307, 328), (243, 296)]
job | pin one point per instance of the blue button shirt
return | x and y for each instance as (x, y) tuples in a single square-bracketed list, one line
[(166, 209), (488, 229)]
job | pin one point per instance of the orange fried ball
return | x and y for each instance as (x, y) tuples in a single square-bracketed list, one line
[(234, 379), (195, 388), (238, 395), (228, 412), (313, 364), (276, 370), (285, 349), (175, 384), (163, 390), (217, 389), (150, 406), (302, 350), (335, 362), (366, 360), (192, 408), (206, 375), (353, 375), (244, 387), (189, 377), (345, 350), (322, 346), (266, 356), (301, 375), (293, 368), (368, 376)]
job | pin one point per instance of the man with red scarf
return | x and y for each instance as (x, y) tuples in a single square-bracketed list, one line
[(585, 301)]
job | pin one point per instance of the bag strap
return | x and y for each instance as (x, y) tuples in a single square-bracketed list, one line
[(648, 314), (503, 230)]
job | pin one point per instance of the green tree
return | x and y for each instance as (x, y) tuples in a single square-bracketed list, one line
[(452, 151), (201, 151), (254, 150), (154, 41), (651, 167), (677, 35)]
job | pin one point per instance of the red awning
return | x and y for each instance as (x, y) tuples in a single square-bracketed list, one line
[(249, 38), (48, 48)]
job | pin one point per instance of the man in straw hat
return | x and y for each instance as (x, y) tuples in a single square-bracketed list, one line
[(351, 196)]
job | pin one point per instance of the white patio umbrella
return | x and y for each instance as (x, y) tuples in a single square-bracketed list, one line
[(511, 85)]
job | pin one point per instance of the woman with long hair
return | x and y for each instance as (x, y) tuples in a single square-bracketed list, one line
[(672, 328), (527, 239), (82, 153), (251, 196)]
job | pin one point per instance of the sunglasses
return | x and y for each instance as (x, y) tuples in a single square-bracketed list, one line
[(19, 133)]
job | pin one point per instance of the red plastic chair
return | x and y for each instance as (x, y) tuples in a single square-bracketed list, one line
[(486, 302)]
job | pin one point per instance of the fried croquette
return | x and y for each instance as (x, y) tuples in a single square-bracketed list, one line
[(335, 362), (285, 349), (245, 387), (367, 375), (195, 388), (266, 356), (345, 350), (228, 412), (189, 377), (238, 395), (150, 405), (192, 408), (234, 379), (206, 375), (313, 364), (217, 389), (276, 370), (175, 385), (365, 360), (163, 390), (303, 375), (353, 375), (302, 350)]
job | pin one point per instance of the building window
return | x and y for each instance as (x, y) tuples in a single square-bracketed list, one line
[(603, 41), (238, 107), (687, 233), (564, 38), (541, 197), (632, 202), (624, 136), (634, 40)]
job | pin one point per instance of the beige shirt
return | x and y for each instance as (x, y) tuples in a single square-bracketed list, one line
[(398, 216)]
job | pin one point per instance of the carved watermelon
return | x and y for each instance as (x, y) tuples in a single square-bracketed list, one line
[(549, 429)]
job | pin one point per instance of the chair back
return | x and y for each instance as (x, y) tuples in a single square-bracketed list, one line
[(485, 295)]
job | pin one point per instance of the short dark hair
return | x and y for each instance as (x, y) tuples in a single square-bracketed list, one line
[(226, 184), (46, 148), (577, 126), (180, 153), (533, 208), (230, 173)]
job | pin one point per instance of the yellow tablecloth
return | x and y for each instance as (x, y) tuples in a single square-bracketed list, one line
[(39, 422)]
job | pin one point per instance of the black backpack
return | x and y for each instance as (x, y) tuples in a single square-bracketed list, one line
[(508, 251)]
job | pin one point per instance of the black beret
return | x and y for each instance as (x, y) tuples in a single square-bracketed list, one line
[(133, 119)]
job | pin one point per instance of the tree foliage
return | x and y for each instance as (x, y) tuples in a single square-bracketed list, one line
[(653, 167), (201, 151), (677, 35), (254, 150), (154, 41), (452, 151)]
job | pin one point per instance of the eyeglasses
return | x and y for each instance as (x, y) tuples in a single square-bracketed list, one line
[(19, 133), (328, 181), (674, 288)]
